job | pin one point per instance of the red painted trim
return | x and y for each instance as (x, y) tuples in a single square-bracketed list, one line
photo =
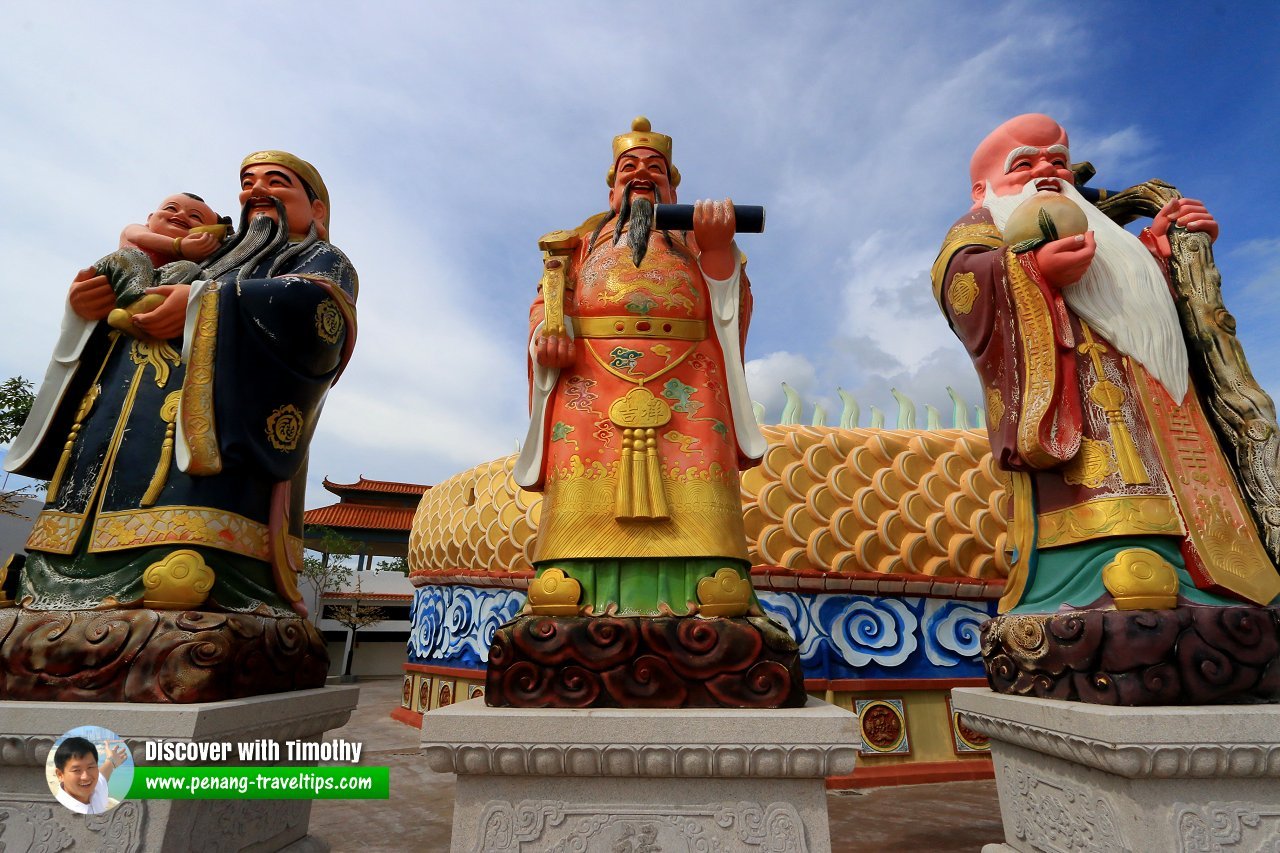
[(876, 685), (814, 581), (471, 577), (919, 773), (451, 671), (404, 715)]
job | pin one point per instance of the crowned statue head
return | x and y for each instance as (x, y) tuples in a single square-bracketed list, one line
[(642, 162), (287, 189), (641, 176)]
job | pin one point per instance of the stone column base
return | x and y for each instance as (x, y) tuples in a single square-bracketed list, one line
[(1076, 776), (31, 819), (640, 779)]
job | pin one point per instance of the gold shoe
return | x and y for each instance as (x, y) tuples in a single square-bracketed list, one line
[(1140, 579), (553, 593)]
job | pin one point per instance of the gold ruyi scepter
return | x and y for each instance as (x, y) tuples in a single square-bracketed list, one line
[(640, 493)]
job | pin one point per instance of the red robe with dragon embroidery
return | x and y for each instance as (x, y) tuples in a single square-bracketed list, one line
[(642, 333)]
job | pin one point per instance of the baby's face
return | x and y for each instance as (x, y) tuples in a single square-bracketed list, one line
[(178, 214)]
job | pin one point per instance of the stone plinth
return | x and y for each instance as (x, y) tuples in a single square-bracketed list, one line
[(609, 779), (1077, 776), (30, 818)]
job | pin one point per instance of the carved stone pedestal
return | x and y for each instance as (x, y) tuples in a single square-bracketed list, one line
[(31, 819), (143, 655), (643, 662), (1076, 776), (1190, 655), (630, 779)]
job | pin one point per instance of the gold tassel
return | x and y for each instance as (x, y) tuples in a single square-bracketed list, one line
[(657, 494), (86, 406), (639, 485), (169, 414), (1110, 397), (640, 493), (624, 506)]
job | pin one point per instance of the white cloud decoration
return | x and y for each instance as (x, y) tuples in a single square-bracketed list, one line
[(886, 631), (457, 623), (874, 630), (951, 631), (861, 630)]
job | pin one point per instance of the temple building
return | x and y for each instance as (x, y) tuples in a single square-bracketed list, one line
[(375, 516)]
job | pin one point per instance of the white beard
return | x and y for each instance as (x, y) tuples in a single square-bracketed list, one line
[(1123, 295)]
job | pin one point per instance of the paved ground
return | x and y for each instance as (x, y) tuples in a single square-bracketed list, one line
[(957, 817)]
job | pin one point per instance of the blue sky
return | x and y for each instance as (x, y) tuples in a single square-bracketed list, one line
[(452, 135)]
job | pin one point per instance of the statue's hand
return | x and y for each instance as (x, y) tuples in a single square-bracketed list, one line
[(91, 295), (1065, 261), (714, 224), (1189, 214), (197, 247), (553, 350), (165, 321)]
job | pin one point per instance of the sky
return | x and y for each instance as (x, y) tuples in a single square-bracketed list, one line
[(452, 135)]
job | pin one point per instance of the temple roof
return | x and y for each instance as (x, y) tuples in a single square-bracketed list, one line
[(377, 487), (354, 515), (403, 597)]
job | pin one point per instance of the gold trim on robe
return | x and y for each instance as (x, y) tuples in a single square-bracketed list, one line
[(961, 237), (196, 411), (1039, 366), (191, 525), (1022, 536), (1151, 515)]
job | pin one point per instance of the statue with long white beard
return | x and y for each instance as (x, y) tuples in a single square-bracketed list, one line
[(1136, 557), (640, 423)]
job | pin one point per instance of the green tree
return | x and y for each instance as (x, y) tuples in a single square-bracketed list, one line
[(396, 564), (16, 397), (326, 566)]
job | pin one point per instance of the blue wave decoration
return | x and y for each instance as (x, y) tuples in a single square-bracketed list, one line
[(453, 625), (858, 636)]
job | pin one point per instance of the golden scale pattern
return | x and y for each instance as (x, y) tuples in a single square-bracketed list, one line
[(890, 502)]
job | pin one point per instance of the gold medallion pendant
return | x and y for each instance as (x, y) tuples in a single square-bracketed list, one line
[(640, 491)]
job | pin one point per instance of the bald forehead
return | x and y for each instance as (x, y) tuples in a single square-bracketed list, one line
[(1035, 130), (1032, 130)]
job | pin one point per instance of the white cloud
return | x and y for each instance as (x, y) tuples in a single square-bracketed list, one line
[(452, 136)]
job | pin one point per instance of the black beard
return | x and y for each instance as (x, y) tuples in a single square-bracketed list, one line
[(637, 219), (257, 236)]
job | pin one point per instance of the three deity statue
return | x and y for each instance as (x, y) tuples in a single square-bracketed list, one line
[(192, 365)]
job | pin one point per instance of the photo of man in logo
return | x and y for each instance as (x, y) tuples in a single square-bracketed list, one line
[(83, 763)]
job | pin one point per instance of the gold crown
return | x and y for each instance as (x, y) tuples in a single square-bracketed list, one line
[(299, 167), (642, 135)]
